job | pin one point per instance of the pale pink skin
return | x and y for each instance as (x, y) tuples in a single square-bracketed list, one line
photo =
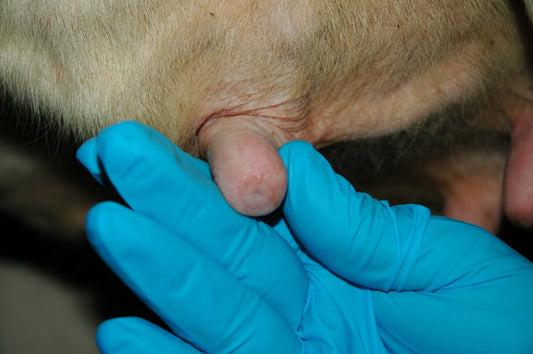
[(518, 186), (245, 165)]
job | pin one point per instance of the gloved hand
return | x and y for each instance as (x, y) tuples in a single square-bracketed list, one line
[(339, 273)]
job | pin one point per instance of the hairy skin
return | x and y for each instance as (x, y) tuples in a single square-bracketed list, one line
[(174, 65), (321, 71)]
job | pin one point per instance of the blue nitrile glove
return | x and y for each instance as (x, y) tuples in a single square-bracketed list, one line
[(379, 279)]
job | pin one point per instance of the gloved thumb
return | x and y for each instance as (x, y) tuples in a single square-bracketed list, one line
[(359, 238)]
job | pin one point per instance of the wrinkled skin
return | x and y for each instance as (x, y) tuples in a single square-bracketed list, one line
[(233, 81)]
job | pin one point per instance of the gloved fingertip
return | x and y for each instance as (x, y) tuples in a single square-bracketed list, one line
[(295, 148), (123, 130), (300, 157), (135, 335), (129, 136), (86, 152), (120, 335), (120, 140), (99, 219), (87, 155), (110, 337), (307, 170), (128, 150)]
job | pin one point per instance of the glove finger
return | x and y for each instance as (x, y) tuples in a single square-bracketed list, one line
[(159, 180), (353, 234), (384, 248), (135, 335), (87, 154), (199, 300)]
